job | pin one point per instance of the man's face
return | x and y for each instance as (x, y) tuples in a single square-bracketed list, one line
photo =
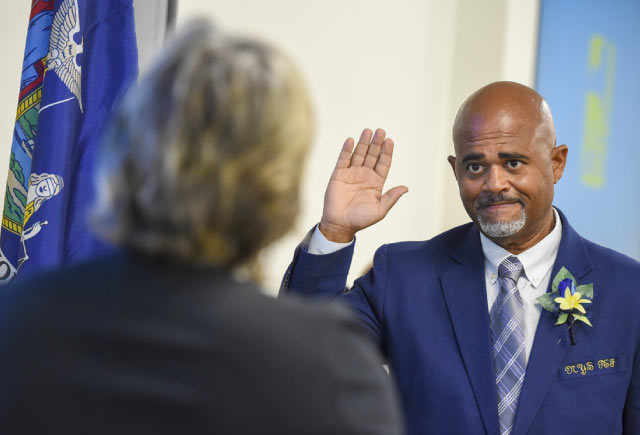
[(506, 170)]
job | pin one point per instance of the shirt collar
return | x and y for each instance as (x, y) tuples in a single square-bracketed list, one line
[(536, 261)]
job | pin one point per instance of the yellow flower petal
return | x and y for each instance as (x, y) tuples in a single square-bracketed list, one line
[(584, 301), (577, 295), (558, 300), (580, 308), (565, 306)]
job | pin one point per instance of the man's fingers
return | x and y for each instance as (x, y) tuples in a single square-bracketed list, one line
[(367, 151), (361, 149), (374, 149), (392, 196), (384, 160), (344, 159), (378, 138)]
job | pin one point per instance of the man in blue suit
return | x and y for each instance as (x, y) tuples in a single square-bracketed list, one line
[(511, 324)]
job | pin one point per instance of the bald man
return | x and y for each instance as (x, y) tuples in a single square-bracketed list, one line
[(510, 324)]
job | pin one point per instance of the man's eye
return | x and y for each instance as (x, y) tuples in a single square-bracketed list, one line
[(474, 168), (514, 164)]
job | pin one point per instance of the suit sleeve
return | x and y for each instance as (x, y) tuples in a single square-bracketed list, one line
[(325, 277)]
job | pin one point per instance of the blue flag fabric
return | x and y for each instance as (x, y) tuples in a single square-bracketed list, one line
[(80, 57)]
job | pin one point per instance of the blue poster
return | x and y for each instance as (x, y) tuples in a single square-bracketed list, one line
[(588, 69)]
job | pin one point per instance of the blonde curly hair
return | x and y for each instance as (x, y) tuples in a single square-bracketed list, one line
[(202, 162)]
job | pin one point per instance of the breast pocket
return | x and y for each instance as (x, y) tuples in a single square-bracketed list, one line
[(604, 365)]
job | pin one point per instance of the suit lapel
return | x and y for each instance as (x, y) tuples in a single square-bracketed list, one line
[(551, 342), (466, 297)]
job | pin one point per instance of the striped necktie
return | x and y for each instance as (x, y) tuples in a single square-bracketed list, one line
[(507, 327)]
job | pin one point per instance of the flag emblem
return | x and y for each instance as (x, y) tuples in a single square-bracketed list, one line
[(64, 51)]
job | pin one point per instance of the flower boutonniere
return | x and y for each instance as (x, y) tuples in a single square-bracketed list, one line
[(571, 302)]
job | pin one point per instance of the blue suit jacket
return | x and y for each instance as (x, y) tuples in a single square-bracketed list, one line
[(425, 305)]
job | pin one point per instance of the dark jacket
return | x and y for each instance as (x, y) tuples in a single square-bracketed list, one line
[(129, 345)]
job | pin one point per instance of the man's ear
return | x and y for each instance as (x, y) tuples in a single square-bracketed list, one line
[(559, 161), (452, 162)]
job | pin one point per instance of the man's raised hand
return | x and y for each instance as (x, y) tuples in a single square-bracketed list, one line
[(354, 199)]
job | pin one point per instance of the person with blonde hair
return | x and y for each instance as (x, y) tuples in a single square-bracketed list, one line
[(200, 169)]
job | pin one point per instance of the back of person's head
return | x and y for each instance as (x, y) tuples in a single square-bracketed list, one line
[(202, 161)]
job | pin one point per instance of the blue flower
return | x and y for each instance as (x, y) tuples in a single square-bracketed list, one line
[(568, 300), (566, 283)]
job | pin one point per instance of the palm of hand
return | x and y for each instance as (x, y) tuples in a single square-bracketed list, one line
[(353, 199)]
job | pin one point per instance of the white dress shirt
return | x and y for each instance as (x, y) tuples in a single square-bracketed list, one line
[(537, 262)]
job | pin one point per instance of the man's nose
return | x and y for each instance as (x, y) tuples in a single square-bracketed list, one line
[(496, 180)]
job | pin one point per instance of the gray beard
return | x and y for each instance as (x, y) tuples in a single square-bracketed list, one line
[(502, 228)]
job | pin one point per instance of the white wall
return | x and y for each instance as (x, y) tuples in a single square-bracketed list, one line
[(404, 66), (151, 23), (368, 64)]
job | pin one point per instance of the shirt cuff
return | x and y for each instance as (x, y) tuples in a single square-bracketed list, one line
[(320, 245)]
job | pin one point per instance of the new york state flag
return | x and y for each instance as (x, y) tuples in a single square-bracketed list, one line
[(80, 57)]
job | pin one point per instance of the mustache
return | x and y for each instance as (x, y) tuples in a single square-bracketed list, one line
[(497, 198)]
